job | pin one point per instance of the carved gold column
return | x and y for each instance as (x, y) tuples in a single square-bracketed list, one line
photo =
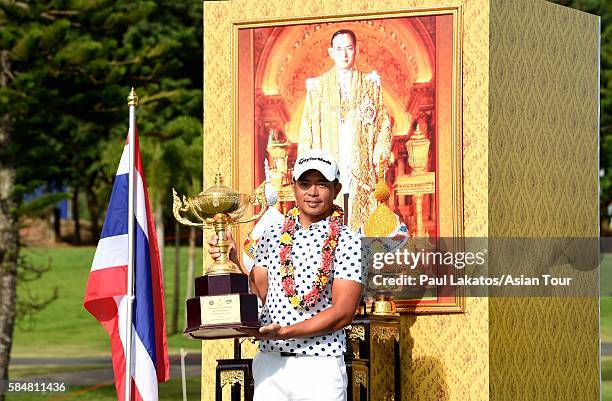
[(271, 116), (277, 155), (420, 181), (399, 149)]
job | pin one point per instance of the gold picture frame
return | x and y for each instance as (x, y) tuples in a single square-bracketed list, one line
[(448, 140)]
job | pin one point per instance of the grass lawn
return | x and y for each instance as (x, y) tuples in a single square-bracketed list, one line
[(64, 328), (606, 319), (605, 275), (24, 371), (606, 390), (606, 378)]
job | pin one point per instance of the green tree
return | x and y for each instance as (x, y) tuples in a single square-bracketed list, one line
[(66, 67), (75, 62)]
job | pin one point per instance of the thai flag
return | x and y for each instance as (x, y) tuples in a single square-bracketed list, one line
[(106, 299)]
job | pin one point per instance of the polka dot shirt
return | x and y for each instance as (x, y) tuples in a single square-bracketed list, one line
[(306, 254)]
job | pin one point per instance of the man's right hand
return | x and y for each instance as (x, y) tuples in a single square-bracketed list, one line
[(214, 252)]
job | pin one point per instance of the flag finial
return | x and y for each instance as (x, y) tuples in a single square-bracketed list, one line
[(132, 98)]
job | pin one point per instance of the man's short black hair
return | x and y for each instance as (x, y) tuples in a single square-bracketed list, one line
[(344, 32)]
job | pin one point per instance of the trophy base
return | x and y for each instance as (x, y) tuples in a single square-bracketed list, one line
[(220, 331), (222, 316)]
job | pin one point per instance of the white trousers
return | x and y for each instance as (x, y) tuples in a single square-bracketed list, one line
[(299, 378)]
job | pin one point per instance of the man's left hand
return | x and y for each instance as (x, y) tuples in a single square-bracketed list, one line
[(272, 331)]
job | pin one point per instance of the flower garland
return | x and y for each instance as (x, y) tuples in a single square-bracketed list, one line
[(327, 256)]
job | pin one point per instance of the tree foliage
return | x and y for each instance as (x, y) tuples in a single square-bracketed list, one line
[(74, 62), (66, 68)]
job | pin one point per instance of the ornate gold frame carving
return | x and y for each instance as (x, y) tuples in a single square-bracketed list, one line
[(232, 377), (450, 164), (384, 333), (360, 378), (357, 332)]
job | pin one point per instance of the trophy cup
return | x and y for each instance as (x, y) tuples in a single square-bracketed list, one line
[(223, 307)]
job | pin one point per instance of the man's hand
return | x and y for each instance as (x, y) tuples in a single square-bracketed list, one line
[(214, 252), (272, 331)]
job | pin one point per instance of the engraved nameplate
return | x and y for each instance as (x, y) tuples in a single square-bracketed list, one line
[(220, 309)]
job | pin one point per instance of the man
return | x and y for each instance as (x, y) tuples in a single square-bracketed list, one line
[(308, 276), (344, 115)]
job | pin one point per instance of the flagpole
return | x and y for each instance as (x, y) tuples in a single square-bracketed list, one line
[(132, 103)]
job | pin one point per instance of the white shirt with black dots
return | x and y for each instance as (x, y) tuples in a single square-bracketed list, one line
[(306, 254)]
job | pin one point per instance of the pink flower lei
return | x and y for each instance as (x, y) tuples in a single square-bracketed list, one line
[(327, 256)]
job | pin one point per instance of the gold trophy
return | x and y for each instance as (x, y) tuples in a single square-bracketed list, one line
[(223, 307)]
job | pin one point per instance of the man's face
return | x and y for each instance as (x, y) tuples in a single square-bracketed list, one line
[(343, 51), (314, 194)]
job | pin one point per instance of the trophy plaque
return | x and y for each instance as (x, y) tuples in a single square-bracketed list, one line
[(222, 306)]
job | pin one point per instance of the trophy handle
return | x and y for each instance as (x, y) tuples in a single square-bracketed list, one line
[(179, 206), (258, 199)]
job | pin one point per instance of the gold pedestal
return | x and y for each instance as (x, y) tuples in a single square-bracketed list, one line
[(375, 364)]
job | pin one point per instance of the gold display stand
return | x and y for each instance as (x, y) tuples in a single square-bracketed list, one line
[(375, 358), (529, 150)]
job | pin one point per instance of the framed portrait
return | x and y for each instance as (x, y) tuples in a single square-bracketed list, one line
[(409, 63)]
